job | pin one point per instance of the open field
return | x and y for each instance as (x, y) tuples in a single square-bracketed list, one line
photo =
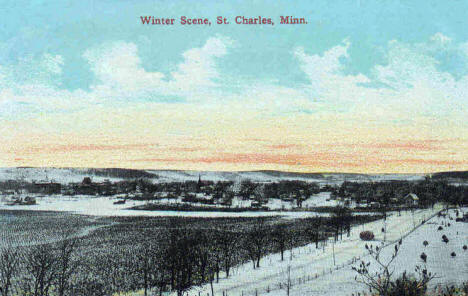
[(105, 207), (20, 228)]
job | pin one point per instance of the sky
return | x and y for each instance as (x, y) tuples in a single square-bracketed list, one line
[(364, 86)]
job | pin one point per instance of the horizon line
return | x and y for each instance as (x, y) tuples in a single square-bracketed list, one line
[(233, 171)]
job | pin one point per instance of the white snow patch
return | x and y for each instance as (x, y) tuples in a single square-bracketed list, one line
[(307, 262)]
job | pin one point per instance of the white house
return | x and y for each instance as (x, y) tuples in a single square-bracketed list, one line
[(411, 199)]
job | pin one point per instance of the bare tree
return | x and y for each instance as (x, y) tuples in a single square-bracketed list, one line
[(216, 260), (203, 253), (313, 230), (161, 276), (181, 257), (382, 282), (8, 269), (378, 281), (65, 266), (281, 238), (227, 241), (342, 221), (146, 264), (40, 265), (255, 242)]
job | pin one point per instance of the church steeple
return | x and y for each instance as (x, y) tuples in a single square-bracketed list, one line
[(199, 184)]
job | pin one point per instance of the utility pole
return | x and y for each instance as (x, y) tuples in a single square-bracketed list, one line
[(333, 246)]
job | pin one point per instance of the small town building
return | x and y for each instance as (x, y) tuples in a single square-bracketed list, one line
[(411, 199), (47, 188)]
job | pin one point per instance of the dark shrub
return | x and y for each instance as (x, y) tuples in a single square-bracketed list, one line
[(440, 228), (445, 239), (406, 286), (424, 257), (453, 254), (425, 243), (464, 247), (455, 290), (367, 235)]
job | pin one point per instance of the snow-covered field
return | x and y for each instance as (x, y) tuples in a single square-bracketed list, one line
[(104, 206), (321, 199), (96, 206), (63, 176), (448, 269), (327, 270)]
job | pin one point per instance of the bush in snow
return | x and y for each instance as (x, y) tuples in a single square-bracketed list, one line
[(452, 290), (440, 228), (407, 285), (445, 239), (453, 254), (425, 243), (424, 257), (464, 247), (367, 235), (382, 283)]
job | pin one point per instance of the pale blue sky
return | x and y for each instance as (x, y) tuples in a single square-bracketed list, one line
[(68, 28)]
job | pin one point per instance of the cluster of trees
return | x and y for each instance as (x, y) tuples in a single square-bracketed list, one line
[(429, 191), (40, 271), (220, 189), (245, 189), (15, 185), (172, 258)]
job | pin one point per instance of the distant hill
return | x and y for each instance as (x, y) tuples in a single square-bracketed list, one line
[(121, 173), (453, 175), (67, 175)]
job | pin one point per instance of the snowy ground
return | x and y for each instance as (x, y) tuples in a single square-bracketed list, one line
[(104, 206), (314, 272), (321, 199), (448, 269)]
